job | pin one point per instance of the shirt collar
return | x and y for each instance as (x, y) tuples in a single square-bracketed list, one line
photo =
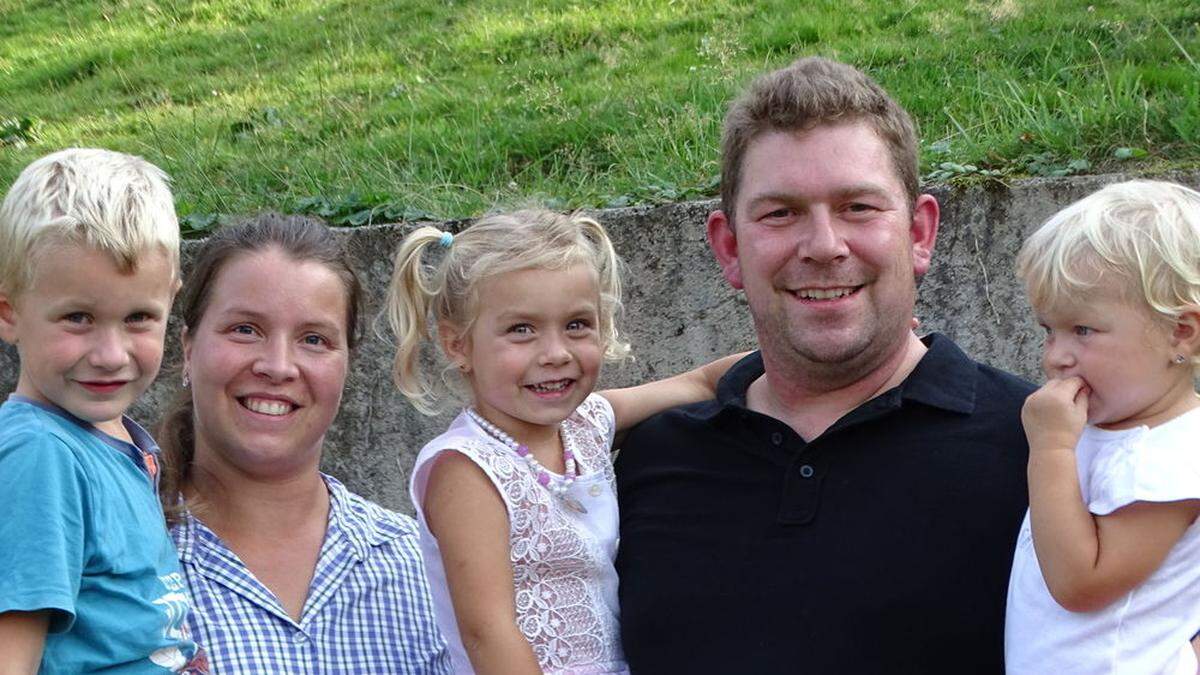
[(943, 378)]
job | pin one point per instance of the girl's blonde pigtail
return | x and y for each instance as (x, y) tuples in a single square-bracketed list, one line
[(608, 272), (410, 295)]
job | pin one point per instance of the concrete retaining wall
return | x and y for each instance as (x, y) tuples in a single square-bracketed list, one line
[(680, 312)]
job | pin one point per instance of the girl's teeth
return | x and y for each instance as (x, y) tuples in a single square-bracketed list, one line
[(551, 386), (266, 407)]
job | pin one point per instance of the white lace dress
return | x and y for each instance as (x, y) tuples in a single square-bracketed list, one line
[(562, 560)]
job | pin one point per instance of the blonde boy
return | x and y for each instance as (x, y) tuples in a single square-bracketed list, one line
[(89, 265)]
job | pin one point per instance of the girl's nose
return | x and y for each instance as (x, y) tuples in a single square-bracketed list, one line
[(555, 352)]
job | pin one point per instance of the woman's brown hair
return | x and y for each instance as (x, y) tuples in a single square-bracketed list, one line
[(301, 239)]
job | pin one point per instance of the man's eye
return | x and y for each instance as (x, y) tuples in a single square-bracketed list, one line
[(777, 213), (859, 207)]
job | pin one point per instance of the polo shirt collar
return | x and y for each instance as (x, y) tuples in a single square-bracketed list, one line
[(944, 378)]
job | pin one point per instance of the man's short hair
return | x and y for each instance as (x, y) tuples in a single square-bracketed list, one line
[(810, 92), (116, 203)]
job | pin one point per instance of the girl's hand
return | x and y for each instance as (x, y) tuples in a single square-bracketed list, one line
[(1054, 415)]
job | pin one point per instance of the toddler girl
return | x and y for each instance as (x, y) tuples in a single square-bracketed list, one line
[(1106, 576), (517, 500)]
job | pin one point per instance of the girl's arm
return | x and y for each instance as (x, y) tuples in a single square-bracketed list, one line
[(22, 637), (465, 513), (634, 404), (1088, 561)]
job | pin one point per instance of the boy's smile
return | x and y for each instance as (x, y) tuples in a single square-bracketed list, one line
[(90, 337)]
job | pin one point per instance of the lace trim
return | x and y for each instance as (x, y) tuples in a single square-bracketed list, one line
[(556, 571)]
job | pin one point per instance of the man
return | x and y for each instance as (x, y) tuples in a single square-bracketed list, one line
[(849, 502)]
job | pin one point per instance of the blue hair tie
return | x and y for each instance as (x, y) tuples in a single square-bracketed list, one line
[(446, 240)]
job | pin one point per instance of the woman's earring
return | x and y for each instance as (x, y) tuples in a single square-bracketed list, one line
[(1180, 359)]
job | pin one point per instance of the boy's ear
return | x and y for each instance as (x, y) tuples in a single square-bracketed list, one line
[(454, 346), (1185, 337), (8, 319)]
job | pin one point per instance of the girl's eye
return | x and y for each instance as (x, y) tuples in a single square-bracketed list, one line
[(521, 329), (578, 325)]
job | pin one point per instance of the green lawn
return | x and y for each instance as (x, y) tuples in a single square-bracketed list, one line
[(454, 107)]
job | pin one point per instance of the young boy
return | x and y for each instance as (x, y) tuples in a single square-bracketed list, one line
[(89, 265)]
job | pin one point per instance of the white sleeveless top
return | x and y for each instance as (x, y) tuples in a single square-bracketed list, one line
[(563, 576), (1146, 631)]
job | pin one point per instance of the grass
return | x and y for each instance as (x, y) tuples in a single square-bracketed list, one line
[(404, 108)]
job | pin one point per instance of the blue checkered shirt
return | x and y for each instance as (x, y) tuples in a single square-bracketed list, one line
[(368, 608)]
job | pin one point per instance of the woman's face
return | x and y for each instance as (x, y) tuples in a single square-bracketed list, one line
[(267, 362)]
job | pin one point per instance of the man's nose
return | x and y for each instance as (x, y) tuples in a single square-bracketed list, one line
[(822, 240)]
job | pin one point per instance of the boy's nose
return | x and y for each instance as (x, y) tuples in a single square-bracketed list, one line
[(109, 350), (1056, 360)]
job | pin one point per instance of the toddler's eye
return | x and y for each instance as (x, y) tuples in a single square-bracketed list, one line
[(1083, 331), (138, 317), (77, 317)]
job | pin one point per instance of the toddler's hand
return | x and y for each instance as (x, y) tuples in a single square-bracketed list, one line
[(1054, 415)]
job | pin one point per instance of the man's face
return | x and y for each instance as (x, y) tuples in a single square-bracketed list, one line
[(826, 245)]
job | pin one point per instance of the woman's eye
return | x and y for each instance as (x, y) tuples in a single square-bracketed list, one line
[(315, 340), (242, 329)]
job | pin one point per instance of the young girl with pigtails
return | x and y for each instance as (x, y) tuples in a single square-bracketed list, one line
[(516, 500), (1106, 575)]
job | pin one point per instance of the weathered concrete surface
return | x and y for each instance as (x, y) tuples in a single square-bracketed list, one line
[(680, 312)]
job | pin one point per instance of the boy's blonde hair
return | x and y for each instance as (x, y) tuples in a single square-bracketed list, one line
[(109, 201), (1144, 233), (424, 294)]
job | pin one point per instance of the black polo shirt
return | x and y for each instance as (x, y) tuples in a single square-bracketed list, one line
[(883, 546)]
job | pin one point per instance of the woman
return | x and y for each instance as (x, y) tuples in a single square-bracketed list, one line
[(289, 571)]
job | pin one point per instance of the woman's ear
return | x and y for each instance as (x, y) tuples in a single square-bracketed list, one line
[(455, 345), (1185, 337)]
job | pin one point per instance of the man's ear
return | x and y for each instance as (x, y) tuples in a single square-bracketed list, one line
[(454, 346), (723, 242), (923, 232), (8, 319), (1185, 336)]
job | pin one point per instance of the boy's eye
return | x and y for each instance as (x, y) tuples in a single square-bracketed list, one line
[(578, 325), (139, 317), (77, 317), (1082, 331)]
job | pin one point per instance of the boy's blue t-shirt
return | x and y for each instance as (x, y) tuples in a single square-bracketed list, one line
[(82, 535)]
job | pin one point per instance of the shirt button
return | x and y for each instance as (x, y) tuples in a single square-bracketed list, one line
[(777, 438), (299, 638), (807, 471)]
